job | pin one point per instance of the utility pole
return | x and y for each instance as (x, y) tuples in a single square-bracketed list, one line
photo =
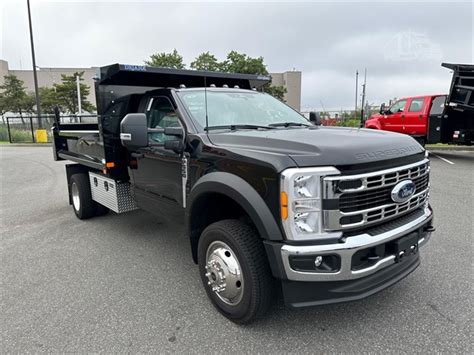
[(78, 83), (38, 108), (357, 98), (363, 99)]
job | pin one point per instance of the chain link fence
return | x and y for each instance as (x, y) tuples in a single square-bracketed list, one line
[(24, 129)]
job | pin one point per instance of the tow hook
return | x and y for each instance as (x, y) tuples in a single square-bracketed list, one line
[(429, 229)]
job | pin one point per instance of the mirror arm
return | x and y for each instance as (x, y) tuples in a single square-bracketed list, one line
[(156, 130)]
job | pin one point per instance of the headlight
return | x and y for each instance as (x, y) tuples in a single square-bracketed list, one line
[(301, 210)]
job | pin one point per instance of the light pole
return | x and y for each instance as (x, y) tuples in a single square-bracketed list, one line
[(35, 77), (78, 84), (357, 86), (363, 99)]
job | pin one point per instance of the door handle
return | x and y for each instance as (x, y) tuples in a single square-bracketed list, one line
[(137, 155)]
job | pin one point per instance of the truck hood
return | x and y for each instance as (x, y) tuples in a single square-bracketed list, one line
[(317, 146)]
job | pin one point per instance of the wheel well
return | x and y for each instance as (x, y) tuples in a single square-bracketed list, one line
[(210, 208)]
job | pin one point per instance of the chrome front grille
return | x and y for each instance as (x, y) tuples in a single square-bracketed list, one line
[(356, 200)]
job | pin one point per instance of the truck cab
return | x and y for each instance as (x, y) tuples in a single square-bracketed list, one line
[(409, 115), (272, 203)]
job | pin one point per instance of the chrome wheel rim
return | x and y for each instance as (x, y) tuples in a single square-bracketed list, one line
[(224, 273), (76, 201)]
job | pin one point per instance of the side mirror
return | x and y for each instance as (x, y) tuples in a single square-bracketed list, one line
[(134, 130), (315, 118), (174, 131), (382, 108), (176, 145)]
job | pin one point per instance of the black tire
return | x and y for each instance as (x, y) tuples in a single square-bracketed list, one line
[(258, 284), (86, 207), (421, 141)]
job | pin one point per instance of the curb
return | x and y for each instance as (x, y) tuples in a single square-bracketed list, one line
[(26, 145), (465, 148)]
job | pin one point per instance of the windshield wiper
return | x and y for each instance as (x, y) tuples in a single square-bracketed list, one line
[(289, 124), (234, 127)]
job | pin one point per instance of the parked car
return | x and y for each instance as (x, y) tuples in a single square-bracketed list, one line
[(272, 202)]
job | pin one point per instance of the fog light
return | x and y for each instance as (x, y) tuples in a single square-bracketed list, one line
[(315, 263), (318, 261)]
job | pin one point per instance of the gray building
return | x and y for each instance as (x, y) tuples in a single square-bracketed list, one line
[(47, 77)]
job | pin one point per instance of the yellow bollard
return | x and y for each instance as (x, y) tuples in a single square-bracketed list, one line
[(41, 136)]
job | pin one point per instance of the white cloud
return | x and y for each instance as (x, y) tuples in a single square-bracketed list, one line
[(326, 41)]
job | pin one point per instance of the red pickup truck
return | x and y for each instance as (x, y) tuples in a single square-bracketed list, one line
[(409, 115), (434, 118)]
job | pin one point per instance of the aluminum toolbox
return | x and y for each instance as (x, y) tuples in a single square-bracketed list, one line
[(113, 195)]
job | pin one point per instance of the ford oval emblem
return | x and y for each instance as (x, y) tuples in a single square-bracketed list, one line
[(403, 191)]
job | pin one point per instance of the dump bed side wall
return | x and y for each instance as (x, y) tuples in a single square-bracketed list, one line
[(459, 112)]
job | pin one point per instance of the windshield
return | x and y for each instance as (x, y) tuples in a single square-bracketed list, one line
[(227, 108)]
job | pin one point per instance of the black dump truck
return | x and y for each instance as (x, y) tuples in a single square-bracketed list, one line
[(273, 203), (455, 124)]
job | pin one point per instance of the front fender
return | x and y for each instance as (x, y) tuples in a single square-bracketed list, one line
[(242, 193), (373, 124)]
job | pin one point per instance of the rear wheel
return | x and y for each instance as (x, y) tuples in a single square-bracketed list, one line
[(234, 270), (83, 205)]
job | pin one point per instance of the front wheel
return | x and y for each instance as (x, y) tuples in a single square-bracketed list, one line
[(234, 270)]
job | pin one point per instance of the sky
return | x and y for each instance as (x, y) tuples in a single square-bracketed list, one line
[(402, 44)]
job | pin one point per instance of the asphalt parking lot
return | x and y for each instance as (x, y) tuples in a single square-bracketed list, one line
[(127, 283)]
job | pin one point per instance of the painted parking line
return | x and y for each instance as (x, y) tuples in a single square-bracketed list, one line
[(443, 159)]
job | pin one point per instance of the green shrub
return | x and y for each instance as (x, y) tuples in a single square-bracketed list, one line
[(349, 123), (3, 134), (18, 135)]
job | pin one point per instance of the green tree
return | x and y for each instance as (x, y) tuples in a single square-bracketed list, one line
[(166, 60), (14, 97), (277, 91), (206, 61), (48, 99), (242, 63), (235, 62), (29, 103), (66, 94)]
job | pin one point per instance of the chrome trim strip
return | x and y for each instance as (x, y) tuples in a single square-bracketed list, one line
[(77, 133), (378, 265), (346, 250)]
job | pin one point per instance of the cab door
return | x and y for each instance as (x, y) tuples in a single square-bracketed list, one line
[(393, 119), (158, 173), (416, 116)]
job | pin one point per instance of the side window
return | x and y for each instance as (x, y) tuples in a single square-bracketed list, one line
[(437, 107), (398, 106), (416, 105), (160, 113)]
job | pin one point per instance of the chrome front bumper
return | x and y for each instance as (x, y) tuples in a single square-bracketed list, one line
[(347, 249)]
